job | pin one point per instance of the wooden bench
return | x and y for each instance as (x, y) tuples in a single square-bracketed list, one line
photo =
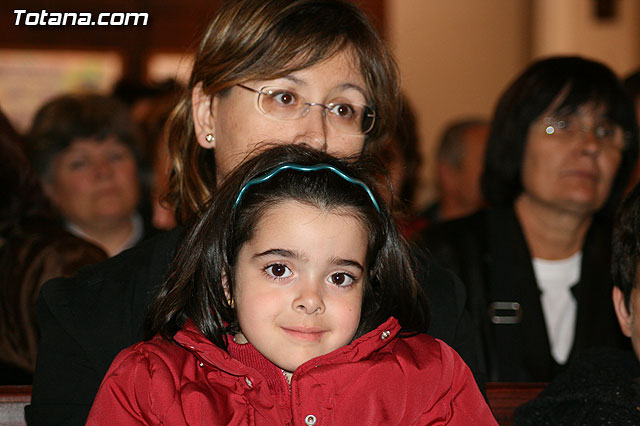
[(504, 398), (12, 402)]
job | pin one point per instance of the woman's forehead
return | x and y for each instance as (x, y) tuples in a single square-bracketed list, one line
[(339, 72)]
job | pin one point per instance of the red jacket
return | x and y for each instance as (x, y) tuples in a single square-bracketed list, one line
[(379, 379)]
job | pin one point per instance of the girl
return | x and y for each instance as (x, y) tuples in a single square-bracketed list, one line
[(292, 300), (322, 51)]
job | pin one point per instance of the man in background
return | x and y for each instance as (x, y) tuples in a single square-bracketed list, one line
[(460, 164)]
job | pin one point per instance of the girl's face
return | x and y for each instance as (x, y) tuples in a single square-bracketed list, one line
[(239, 126), (299, 283)]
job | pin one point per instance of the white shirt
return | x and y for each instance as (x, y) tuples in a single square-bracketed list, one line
[(135, 236), (555, 279)]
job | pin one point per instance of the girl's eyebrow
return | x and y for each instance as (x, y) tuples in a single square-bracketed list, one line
[(296, 255), (348, 262), (278, 252)]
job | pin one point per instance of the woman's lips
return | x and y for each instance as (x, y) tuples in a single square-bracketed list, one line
[(583, 174), (307, 334), (108, 191)]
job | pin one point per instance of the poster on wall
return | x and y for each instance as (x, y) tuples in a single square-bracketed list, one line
[(28, 78), (163, 66)]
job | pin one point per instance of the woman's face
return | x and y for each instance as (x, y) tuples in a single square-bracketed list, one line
[(566, 165), (299, 283), (94, 182), (238, 126)]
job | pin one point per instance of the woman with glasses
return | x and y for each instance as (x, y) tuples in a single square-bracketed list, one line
[(310, 72), (562, 145)]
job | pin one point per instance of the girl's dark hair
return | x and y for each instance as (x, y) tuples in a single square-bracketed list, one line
[(529, 96), (194, 288)]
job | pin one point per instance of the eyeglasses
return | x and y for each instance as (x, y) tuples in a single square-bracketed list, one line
[(606, 132), (285, 104)]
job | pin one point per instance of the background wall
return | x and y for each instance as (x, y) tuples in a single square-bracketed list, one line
[(457, 56)]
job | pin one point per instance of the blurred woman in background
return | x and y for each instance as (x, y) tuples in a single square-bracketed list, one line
[(33, 249), (84, 147), (562, 145)]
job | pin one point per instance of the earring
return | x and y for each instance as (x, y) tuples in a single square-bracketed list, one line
[(210, 138), (231, 303)]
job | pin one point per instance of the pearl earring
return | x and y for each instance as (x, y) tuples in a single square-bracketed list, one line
[(210, 138)]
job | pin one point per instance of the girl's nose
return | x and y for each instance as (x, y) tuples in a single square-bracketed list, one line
[(309, 300)]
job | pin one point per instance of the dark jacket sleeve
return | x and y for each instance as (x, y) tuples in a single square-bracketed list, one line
[(451, 321), (85, 321), (39, 252), (65, 381)]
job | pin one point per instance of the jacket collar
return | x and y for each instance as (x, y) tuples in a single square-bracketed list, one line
[(195, 342)]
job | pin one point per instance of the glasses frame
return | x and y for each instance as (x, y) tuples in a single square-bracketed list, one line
[(369, 111), (553, 123)]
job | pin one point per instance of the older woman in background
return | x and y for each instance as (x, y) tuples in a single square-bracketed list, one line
[(33, 249), (562, 145), (83, 148)]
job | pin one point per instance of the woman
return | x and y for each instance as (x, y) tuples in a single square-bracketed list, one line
[(562, 144), (33, 249), (83, 148), (275, 70), (601, 385)]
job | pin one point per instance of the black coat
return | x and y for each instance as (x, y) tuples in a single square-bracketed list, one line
[(489, 253), (602, 387), (86, 320)]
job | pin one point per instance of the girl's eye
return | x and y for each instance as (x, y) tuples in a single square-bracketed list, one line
[(284, 97), (341, 279), (278, 270)]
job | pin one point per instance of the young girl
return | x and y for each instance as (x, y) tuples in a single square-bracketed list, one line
[(292, 301)]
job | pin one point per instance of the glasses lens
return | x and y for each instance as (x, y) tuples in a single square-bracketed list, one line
[(606, 132), (345, 117), (352, 119), (281, 104), (611, 134)]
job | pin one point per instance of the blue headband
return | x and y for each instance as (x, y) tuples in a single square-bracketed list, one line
[(313, 168)]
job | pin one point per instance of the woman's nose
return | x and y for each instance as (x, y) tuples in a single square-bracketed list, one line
[(103, 169), (589, 142), (312, 129)]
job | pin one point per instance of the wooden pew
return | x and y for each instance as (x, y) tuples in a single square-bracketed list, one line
[(504, 398), (12, 402)]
